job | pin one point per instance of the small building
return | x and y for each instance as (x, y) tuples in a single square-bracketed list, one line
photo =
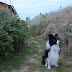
[(11, 7), (27, 19)]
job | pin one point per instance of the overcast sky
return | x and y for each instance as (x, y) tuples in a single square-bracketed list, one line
[(33, 8)]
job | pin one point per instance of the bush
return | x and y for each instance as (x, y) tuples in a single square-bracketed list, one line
[(13, 33), (38, 29)]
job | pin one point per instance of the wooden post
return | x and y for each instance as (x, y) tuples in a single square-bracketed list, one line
[(60, 7)]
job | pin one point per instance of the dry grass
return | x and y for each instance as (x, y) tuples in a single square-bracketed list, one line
[(61, 17), (55, 21)]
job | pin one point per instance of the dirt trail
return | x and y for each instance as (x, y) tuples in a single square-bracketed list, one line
[(33, 60)]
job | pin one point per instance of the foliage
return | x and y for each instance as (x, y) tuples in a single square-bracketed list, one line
[(13, 33), (34, 52), (37, 29)]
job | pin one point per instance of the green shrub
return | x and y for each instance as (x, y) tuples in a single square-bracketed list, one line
[(38, 29), (13, 33)]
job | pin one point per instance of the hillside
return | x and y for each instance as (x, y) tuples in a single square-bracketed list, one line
[(60, 18), (55, 22)]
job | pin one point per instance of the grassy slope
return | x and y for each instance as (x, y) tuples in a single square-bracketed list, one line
[(29, 59), (61, 17), (54, 21)]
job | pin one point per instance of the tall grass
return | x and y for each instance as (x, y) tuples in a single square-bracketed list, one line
[(51, 23)]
